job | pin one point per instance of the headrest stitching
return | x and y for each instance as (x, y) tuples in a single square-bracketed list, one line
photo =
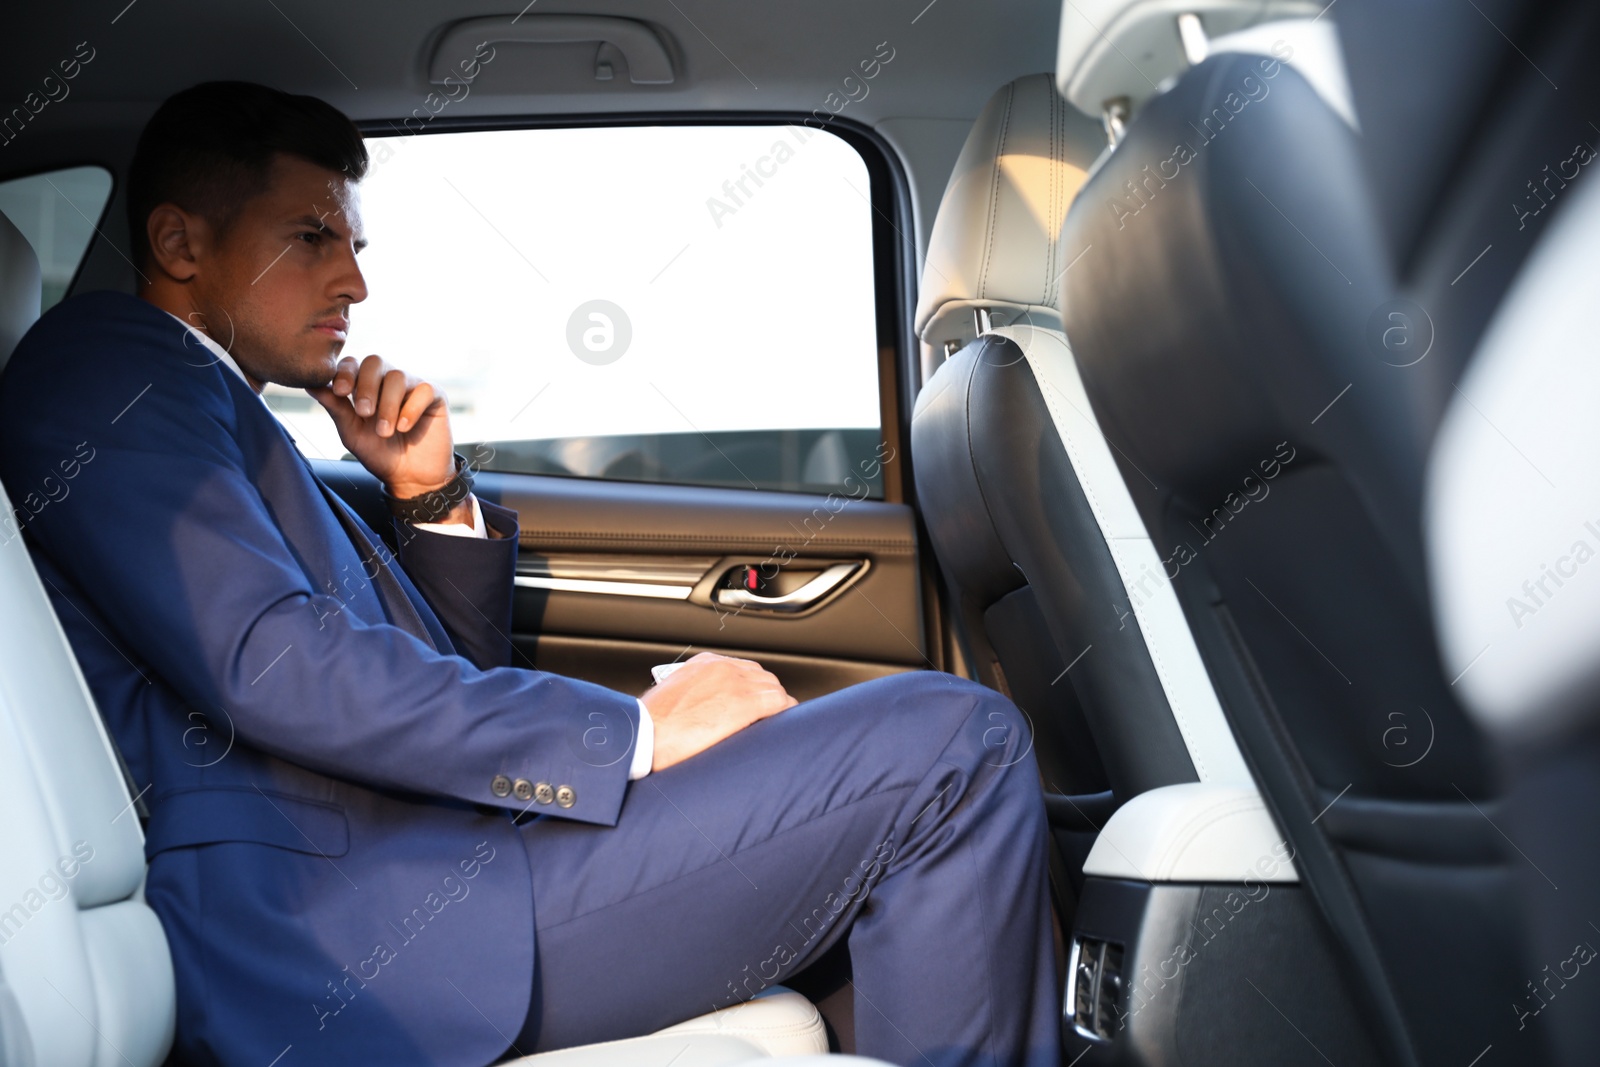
[(1050, 202), (1058, 152), (994, 192)]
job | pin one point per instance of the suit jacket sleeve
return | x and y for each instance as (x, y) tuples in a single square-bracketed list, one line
[(468, 582), (163, 530)]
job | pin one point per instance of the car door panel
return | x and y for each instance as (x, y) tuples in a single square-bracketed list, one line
[(599, 543), (624, 665)]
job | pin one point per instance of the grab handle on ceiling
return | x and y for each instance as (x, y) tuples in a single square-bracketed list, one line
[(646, 56)]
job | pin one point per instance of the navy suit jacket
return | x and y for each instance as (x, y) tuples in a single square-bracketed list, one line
[(328, 858)]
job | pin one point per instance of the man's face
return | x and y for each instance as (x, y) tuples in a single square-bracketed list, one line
[(275, 287)]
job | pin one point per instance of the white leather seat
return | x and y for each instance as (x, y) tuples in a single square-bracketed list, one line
[(84, 958), (85, 973), (776, 1022)]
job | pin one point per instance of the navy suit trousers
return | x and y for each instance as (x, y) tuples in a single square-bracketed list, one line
[(902, 815)]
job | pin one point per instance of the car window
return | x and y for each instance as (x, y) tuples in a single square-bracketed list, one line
[(57, 211), (683, 304)]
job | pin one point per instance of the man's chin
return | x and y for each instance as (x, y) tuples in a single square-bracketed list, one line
[(316, 371)]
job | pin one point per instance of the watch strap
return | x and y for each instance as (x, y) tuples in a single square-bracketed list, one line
[(434, 506)]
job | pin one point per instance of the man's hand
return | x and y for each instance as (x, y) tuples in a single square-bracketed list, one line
[(396, 425), (707, 700)]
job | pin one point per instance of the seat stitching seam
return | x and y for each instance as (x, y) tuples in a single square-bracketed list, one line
[(1050, 238), (994, 192)]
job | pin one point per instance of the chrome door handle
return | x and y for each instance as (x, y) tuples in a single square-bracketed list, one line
[(798, 600)]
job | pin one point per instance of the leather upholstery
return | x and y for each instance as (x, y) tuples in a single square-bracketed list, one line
[(779, 1021), (1199, 832), (993, 243), (1034, 583), (1126, 49), (1511, 293), (1237, 312), (19, 295), (90, 980), (1312, 48), (1508, 552), (700, 1050), (776, 1022), (1150, 603), (704, 1050), (85, 958), (1424, 76), (1027, 511)]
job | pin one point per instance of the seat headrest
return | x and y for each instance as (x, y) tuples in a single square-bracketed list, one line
[(995, 243), (19, 287), (1311, 47), (1126, 49)]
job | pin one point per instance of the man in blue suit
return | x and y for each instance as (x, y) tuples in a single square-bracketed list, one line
[(371, 839)]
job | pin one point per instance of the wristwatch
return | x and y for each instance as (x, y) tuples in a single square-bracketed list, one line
[(434, 506)]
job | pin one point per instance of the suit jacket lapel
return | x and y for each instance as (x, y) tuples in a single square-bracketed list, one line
[(396, 600), (400, 601)]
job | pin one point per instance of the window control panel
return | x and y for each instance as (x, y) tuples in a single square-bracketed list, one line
[(1094, 987)]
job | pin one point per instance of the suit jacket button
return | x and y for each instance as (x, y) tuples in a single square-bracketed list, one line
[(543, 793), (566, 797), (523, 788), (500, 786)]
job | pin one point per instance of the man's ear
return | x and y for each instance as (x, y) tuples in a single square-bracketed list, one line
[(177, 241)]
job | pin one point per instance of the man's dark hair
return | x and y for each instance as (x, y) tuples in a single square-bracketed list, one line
[(209, 149)]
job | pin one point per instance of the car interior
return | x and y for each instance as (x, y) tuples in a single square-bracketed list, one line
[(1173, 367)]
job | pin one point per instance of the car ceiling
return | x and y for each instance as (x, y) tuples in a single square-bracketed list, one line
[(369, 57)]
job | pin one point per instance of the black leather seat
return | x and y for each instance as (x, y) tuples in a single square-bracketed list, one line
[(982, 413), (1053, 576), (1485, 200), (1267, 384)]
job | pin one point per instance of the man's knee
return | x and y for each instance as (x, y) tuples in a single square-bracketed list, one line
[(936, 685), (1005, 734), (972, 717), (970, 726), (931, 696)]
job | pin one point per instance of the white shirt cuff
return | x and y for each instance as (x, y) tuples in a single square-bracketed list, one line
[(644, 752), (460, 529)]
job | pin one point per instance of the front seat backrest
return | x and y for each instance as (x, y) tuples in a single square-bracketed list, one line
[(1244, 344), (1513, 498), (1056, 583)]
